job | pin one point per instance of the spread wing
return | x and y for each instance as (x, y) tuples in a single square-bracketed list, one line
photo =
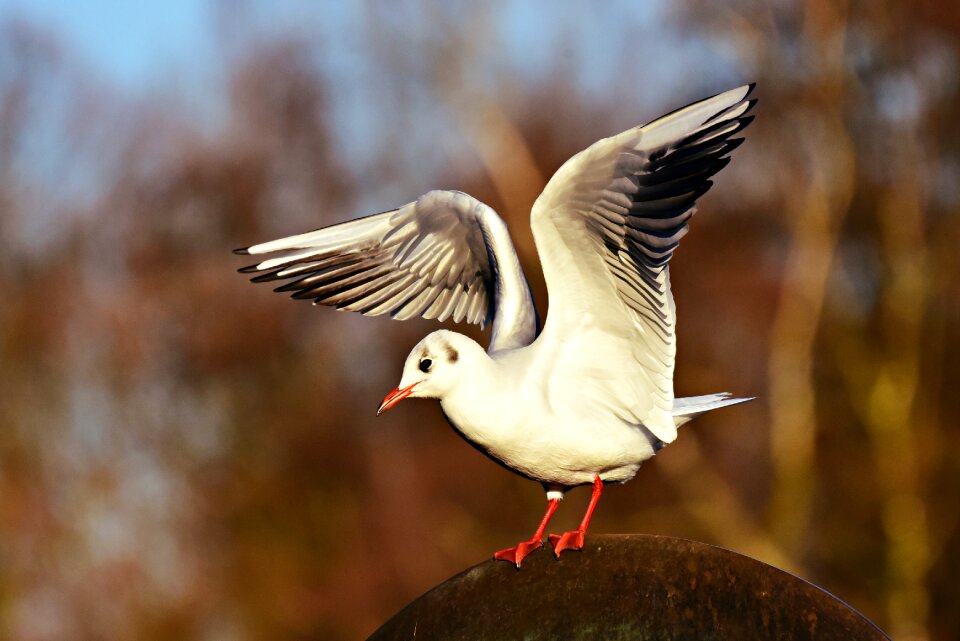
[(445, 255), (606, 226)]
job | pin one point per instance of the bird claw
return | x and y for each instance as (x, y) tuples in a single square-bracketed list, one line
[(567, 541), (517, 554)]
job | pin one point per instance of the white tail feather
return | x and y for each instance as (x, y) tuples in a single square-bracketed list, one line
[(685, 409)]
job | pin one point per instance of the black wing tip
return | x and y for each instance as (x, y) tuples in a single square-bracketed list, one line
[(731, 144), (751, 102), (242, 251), (249, 269), (269, 276), (288, 287), (750, 88)]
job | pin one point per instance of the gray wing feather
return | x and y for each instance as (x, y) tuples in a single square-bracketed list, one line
[(417, 260), (444, 256)]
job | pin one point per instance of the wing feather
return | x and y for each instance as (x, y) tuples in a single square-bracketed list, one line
[(606, 227), (444, 255)]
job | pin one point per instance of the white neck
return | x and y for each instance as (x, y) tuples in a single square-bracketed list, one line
[(480, 406)]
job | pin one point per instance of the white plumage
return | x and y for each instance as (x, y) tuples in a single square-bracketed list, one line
[(591, 397)]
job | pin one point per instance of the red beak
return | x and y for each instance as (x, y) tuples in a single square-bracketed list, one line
[(395, 397)]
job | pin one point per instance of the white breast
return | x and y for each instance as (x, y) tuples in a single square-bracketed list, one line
[(563, 443)]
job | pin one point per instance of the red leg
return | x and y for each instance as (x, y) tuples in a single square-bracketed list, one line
[(519, 553), (574, 540)]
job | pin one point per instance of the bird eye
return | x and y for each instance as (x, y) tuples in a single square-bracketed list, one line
[(425, 365)]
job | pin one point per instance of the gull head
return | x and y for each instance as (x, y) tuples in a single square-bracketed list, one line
[(434, 367)]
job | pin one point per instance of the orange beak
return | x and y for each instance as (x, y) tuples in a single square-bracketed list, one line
[(395, 397)]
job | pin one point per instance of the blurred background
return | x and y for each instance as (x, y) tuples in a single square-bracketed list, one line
[(184, 455)]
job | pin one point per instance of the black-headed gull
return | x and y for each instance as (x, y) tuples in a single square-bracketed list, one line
[(589, 398)]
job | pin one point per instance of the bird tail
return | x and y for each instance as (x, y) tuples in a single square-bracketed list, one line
[(685, 409)]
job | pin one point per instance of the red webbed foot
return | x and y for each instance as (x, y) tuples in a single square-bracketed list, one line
[(516, 555), (567, 541)]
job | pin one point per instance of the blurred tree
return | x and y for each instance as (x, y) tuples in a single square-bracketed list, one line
[(858, 355)]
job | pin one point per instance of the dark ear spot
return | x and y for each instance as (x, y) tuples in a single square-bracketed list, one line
[(452, 354)]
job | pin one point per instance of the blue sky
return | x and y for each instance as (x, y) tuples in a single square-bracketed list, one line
[(630, 56), (128, 42), (132, 42)]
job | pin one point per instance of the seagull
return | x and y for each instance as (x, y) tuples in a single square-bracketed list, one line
[(589, 398)]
